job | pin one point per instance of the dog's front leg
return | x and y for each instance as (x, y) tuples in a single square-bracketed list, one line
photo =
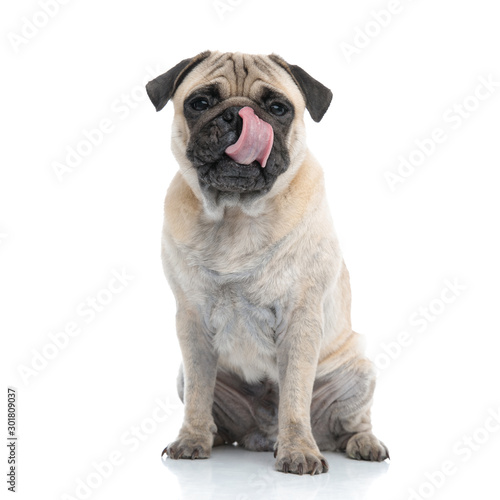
[(297, 354), (196, 436)]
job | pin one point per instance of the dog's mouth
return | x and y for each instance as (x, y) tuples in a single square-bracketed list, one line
[(229, 175), (238, 153)]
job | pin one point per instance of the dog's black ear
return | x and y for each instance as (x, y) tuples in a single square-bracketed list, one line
[(317, 96), (162, 88)]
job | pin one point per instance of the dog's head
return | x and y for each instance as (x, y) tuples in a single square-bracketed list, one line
[(238, 131)]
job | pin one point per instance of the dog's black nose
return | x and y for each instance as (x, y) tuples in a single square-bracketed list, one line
[(231, 114)]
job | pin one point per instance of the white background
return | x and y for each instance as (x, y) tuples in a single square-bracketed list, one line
[(61, 240)]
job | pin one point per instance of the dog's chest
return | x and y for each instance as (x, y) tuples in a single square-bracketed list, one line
[(232, 269), (242, 331), (232, 312)]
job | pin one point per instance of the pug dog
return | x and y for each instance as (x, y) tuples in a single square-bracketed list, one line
[(270, 360)]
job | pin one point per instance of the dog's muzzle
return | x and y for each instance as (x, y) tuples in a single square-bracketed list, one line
[(231, 143)]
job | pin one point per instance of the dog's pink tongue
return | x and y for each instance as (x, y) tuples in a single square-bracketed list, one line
[(255, 141)]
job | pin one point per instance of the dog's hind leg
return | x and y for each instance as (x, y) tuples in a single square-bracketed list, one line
[(340, 413)]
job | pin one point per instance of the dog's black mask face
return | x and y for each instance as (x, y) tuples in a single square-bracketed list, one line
[(215, 125)]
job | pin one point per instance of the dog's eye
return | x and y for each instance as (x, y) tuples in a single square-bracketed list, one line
[(278, 109), (200, 104)]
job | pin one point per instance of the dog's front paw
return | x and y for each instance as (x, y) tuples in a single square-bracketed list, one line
[(300, 460), (365, 446), (189, 447)]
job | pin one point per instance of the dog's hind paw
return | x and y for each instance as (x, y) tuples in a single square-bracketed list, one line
[(365, 446)]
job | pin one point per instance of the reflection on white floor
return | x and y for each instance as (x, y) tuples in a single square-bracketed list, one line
[(238, 474)]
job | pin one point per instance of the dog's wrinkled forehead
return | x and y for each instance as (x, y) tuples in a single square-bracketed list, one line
[(236, 74)]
